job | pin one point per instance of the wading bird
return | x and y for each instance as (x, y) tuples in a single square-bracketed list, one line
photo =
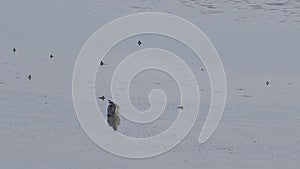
[(112, 115)]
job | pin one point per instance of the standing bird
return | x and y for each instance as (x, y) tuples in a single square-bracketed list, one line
[(102, 63), (113, 119), (267, 82), (139, 43), (111, 109), (29, 77), (14, 50)]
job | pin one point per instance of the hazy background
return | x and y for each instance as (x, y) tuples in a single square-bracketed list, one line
[(257, 41)]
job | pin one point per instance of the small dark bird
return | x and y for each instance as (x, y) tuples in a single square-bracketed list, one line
[(51, 56), (102, 63), (180, 107), (140, 43), (102, 98), (29, 77), (202, 69), (14, 50), (267, 82)]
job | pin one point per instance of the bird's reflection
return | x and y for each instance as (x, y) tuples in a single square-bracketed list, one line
[(113, 121), (113, 118)]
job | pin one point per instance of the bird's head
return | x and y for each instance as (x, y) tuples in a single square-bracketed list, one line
[(110, 102)]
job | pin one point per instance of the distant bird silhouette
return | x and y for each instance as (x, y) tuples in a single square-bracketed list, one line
[(267, 82), (29, 77), (180, 107), (140, 43), (51, 56), (202, 69), (14, 50), (102, 63), (102, 98)]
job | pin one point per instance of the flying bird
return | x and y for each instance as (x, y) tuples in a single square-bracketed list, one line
[(14, 50), (140, 43), (102, 63), (29, 77), (102, 98), (51, 56), (267, 82), (180, 107)]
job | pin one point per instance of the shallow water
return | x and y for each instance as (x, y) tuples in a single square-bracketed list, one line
[(257, 41)]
